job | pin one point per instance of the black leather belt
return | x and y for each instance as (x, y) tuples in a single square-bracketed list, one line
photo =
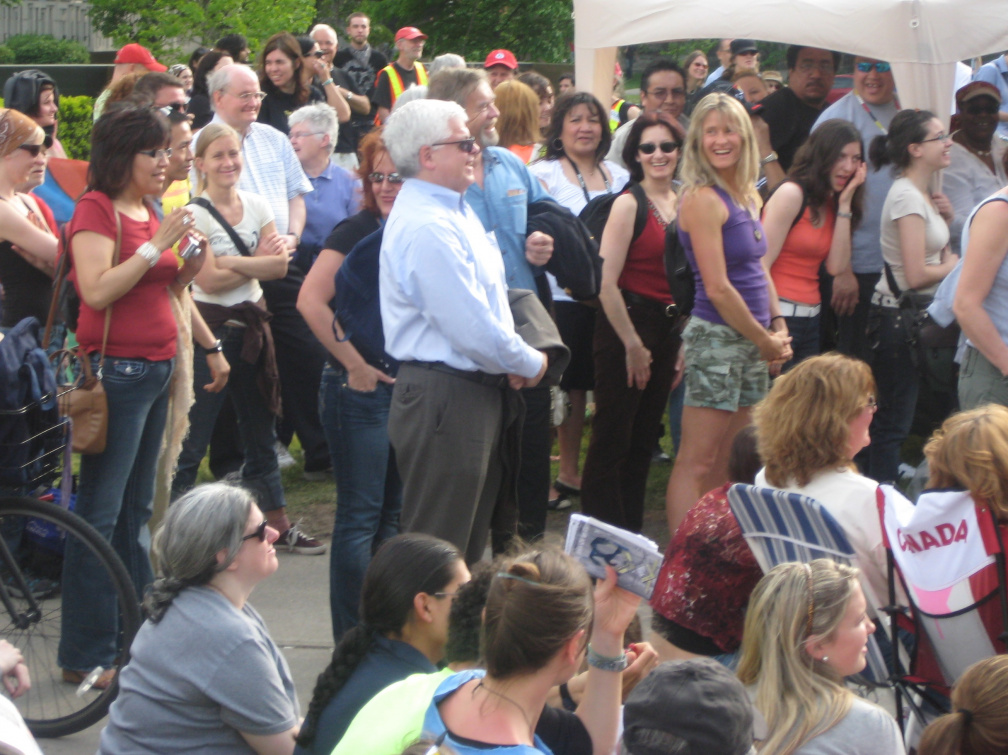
[(669, 310), (473, 376)]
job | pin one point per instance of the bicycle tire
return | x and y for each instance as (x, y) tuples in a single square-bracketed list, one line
[(52, 707)]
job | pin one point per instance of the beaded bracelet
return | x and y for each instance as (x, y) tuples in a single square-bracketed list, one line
[(606, 662)]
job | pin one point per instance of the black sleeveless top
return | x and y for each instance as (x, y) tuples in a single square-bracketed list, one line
[(27, 290)]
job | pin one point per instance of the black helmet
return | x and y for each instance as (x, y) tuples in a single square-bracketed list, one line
[(23, 90)]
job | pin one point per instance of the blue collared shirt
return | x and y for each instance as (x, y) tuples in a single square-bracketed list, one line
[(336, 196), (270, 169), (502, 207), (996, 73), (442, 287)]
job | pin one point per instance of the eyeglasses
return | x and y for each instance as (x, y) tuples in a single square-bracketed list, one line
[(393, 178), (246, 96), (465, 145), (985, 107), (665, 94), (808, 66), (866, 67), (942, 137), (34, 149), (173, 107), (649, 148), (260, 532), (872, 403), (445, 594), (307, 133), (157, 154)]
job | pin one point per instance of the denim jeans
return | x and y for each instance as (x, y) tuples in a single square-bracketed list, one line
[(804, 332), (368, 488), (115, 495), (260, 473), (898, 382)]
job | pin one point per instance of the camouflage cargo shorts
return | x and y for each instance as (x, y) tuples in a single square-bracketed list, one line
[(723, 367)]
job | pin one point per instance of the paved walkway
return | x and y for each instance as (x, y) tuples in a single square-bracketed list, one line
[(294, 602)]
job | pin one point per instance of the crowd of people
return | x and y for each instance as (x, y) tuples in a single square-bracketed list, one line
[(377, 255)]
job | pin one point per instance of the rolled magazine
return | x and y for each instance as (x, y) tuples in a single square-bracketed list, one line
[(635, 558)]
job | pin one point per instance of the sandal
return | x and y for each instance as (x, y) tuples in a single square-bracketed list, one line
[(560, 503), (102, 682)]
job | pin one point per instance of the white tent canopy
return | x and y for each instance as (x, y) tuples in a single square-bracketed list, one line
[(923, 39)]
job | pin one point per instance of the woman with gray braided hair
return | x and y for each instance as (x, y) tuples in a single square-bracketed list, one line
[(205, 675)]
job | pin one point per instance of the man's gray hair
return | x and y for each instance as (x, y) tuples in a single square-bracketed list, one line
[(417, 92), (322, 27), (220, 78), (418, 124), (455, 84), (322, 119), (444, 62)]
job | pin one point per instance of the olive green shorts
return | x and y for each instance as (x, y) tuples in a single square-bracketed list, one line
[(723, 368)]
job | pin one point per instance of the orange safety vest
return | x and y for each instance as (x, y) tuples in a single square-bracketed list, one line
[(396, 82)]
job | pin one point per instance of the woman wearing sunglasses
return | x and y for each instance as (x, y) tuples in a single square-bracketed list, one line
[(637, 341), (27, 242), (354, 400), (574, 171), (204, 673), (916, 257), (129, 162), (976, 160)]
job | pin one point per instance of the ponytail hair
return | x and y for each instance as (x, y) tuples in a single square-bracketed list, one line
[(402, 568), (536, 603), (978, 723), (205, 521), (907, 127)]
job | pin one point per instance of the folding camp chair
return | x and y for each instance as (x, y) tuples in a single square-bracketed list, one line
[(781, 527), (949, 555)]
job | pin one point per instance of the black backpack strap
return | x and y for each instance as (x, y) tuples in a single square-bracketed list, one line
[(640, 219), (235, 238)]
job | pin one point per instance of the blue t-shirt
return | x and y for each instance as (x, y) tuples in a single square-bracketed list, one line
[(744, 243)]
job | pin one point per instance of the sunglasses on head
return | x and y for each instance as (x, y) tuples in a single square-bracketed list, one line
[(260, 532), (648, 148), (392, 178), (985, 106), (881, 67)]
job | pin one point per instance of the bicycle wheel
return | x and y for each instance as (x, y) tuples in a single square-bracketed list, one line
[(32, 536)]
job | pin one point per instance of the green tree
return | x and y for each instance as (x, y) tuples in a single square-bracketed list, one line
[(164, 25), (539, 30)]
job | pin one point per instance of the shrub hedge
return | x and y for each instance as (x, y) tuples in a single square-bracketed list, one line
[(35, 49)]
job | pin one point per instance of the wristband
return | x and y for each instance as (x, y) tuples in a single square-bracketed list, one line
[(149, 252), (327, 82), (778, 317), (566, 699), (217, 348), (606, 662), (349, 96), (772, 157), (842, 214)]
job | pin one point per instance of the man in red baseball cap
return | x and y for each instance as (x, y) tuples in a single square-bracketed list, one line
[(402, 73), (131, 58), (500, 66)]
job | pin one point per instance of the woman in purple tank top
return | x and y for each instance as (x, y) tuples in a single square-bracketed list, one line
[(736, 328)]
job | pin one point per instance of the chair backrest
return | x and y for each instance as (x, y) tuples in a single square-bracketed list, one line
[(780, 527), (949, 555)]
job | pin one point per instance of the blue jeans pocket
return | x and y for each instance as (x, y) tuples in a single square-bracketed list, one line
[(125, 370)]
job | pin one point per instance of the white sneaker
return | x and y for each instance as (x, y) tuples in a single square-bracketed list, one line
[(284, 458)]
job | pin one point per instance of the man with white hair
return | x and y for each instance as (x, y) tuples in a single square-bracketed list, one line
[(314, 132), (445, 312)]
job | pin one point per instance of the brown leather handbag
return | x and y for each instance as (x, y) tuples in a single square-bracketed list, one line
[(82, 397)]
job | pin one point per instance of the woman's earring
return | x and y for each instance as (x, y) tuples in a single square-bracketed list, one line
[(825, 659), (557, 144)]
